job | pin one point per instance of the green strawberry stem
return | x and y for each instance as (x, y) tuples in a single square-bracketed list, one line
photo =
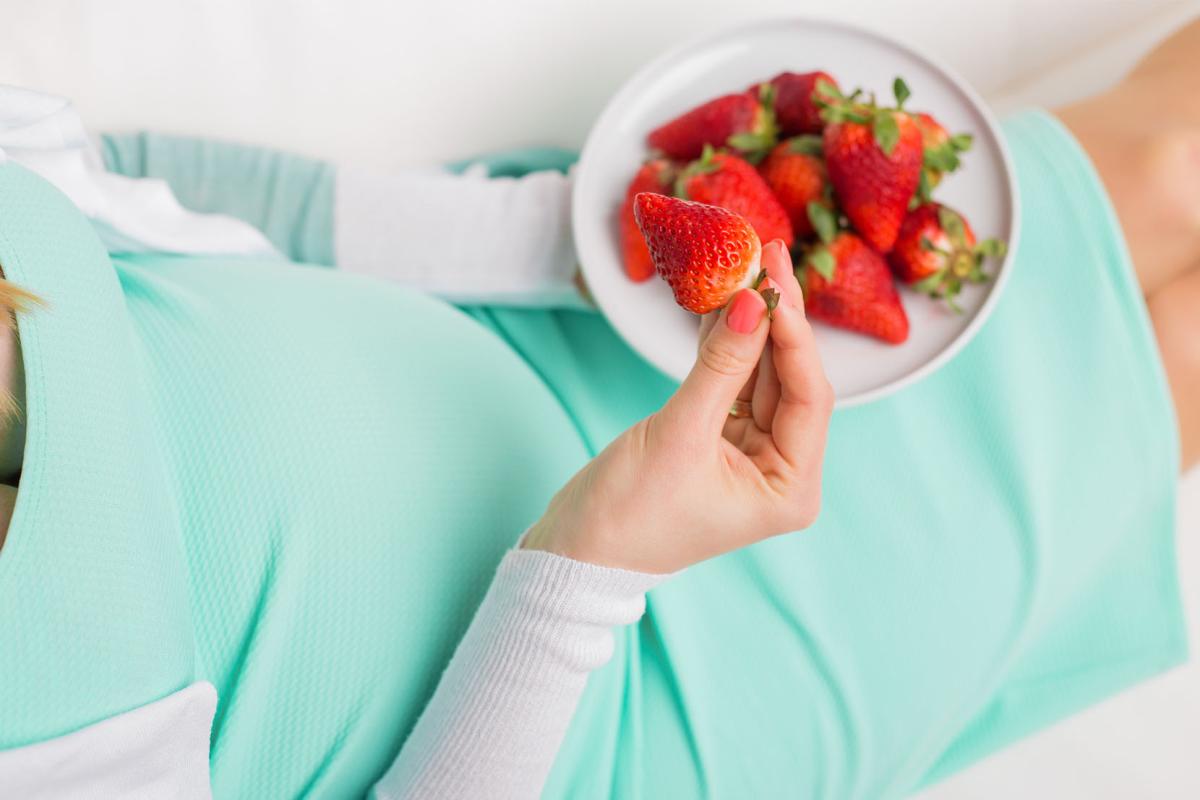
[(882, 119), (701, 166), (757, 142), (822, 260), (809, 144), (963, 263), (823, 220)]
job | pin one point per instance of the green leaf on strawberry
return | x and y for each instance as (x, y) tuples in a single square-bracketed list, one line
[(992, 248), (924, 193), (809, 144), (827, 89), (823, 221), (885, 130), (823, 262), (952, 224)]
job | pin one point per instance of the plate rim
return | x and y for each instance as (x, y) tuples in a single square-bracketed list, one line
[(634, 82)]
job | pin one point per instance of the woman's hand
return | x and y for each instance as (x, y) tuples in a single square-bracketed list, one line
[(691, 481)]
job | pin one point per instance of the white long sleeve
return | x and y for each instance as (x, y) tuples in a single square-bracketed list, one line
[(501, 710), (465, 238)]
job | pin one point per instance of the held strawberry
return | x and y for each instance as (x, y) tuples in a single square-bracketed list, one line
[(725, 180), (795, 172), (655, 176), (874, 157), (936, 252), (941, 154), (703, 252), (848, 284), (796, 111), (744, 122)]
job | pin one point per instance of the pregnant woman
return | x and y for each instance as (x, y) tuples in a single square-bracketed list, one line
[(263, 518)]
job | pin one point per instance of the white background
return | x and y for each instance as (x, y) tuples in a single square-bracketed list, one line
[(399, 83)]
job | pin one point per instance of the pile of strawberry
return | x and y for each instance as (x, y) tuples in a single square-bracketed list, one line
[(846, 183)]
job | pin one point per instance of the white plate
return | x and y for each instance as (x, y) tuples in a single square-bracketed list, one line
[(860, 369)]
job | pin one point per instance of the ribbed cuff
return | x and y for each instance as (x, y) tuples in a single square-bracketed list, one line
[(499, 715)]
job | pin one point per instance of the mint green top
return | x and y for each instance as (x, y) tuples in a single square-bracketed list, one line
[(295, 484)]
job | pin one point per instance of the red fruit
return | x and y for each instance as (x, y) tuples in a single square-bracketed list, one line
[(848, 284), (874, 176), (933, 135), (655, 176), (704, 252), (740, 121), (874, 156), (795, 110), (796, 175), (941, 152), (936, 252), (721, 179)]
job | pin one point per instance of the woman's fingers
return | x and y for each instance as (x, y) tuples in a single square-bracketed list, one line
[(765, 396), (727, 358), (706, 325), (805, 396), (777, 263)]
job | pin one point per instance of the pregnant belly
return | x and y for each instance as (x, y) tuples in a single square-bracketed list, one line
[(351, 463)]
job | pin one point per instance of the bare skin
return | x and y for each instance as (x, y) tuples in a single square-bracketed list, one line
[(1144, 137)]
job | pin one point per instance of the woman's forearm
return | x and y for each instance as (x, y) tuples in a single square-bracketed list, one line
[(503, 705)]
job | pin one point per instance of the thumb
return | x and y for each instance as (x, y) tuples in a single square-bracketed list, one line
[(727, 356)]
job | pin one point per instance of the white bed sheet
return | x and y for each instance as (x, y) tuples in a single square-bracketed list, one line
[(387, 84)]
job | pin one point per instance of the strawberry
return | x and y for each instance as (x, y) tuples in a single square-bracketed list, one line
[(941, 153), (704, 252), (744, 122), (796, 175), (936, 252), (795, 110), (723, 179), (655, 176), (848, 284), (874, 158)]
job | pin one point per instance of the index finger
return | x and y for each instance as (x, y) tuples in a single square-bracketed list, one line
[(805, 396), (706, 323)]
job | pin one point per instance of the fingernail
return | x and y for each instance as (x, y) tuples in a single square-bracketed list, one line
[(745, 312)]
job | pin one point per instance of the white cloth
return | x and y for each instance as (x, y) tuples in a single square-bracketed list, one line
[(158, 750), (492, 729), (44, 134), (502, 708), (466, 238)]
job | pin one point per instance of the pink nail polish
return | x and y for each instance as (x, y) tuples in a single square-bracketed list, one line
[(745, 312)]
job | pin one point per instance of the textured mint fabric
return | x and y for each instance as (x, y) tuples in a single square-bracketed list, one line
[(94, 610), (288, 197), (251, 473), (345, 460)]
